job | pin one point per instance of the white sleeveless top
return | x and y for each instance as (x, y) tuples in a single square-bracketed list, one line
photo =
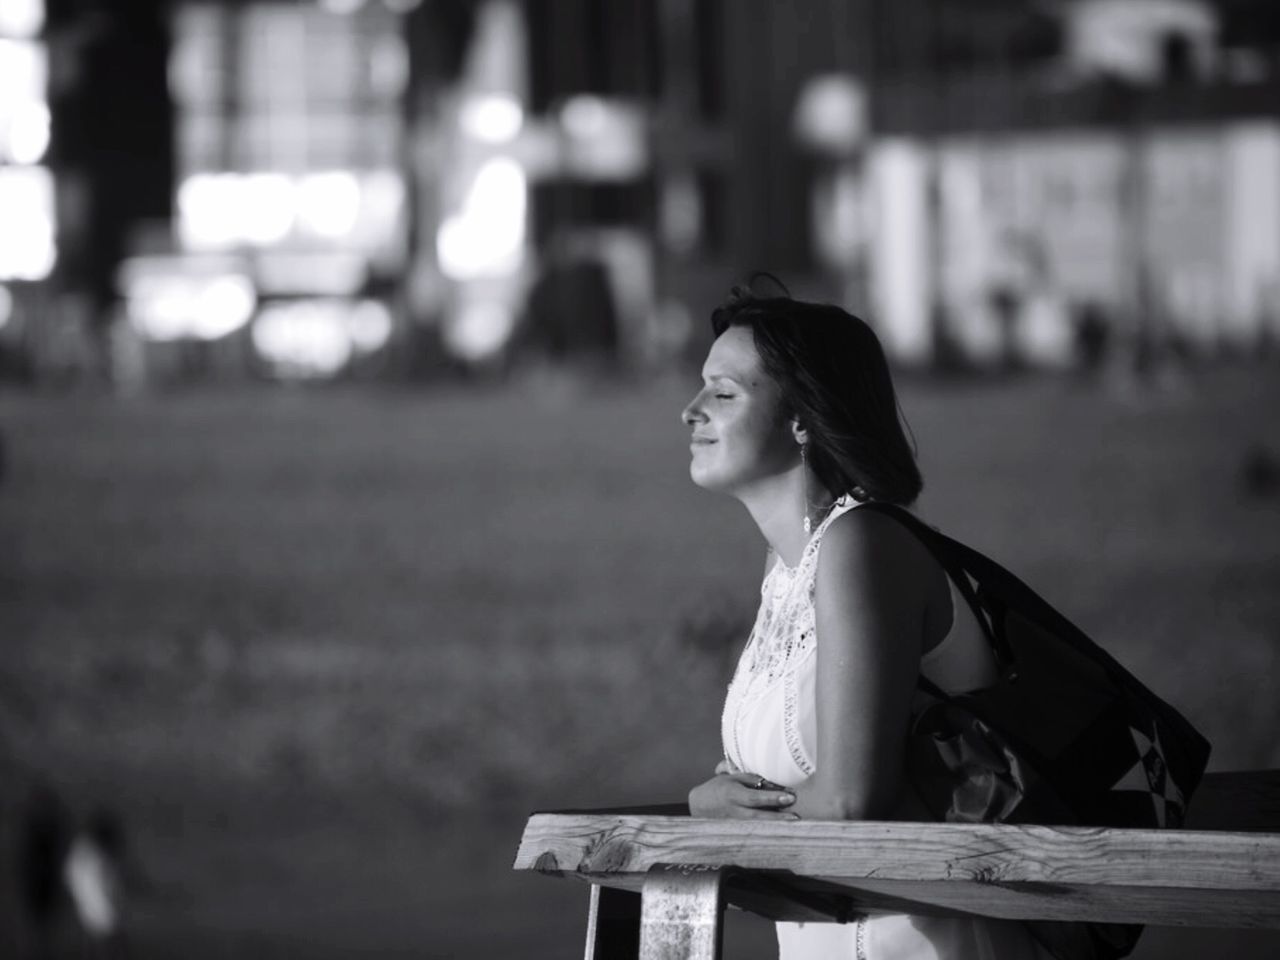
[(769, 728)]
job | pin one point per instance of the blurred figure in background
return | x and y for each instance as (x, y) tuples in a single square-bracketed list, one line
[(44, 838), (570, 315), (94, 873), (1092, 339)]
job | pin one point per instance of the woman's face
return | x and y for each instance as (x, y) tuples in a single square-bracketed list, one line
[(741, 433)]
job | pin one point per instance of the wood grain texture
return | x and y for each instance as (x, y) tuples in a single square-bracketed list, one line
[(801, 870)]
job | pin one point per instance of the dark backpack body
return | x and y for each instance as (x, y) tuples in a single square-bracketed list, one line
[(1065, 736)]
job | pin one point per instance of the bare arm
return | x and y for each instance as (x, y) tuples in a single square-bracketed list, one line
[(870, 605)]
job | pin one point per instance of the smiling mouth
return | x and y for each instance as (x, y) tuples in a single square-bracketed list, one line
[(700, 442)]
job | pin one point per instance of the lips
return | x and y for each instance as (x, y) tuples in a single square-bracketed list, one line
[(700, 441)]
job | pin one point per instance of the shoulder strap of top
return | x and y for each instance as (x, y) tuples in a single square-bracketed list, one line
[(842, 506)]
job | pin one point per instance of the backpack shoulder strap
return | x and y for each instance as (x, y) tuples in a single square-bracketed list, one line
[(962, 562)]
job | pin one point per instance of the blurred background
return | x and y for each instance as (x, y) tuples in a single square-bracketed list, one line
[(344, 510)]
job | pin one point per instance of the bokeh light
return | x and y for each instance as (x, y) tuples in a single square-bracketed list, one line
[(222, 210), (584, 116), (831, 113), (208, 211), (605, 138), (27, 247), (342, 7), (302, 339), (222, 307), (329, 203), (369, 325), (266, 207), (492, 118), (29, 133), (487, 237), (24, 115), (479, 329), (167, 299), (21, 18), (317, 337)]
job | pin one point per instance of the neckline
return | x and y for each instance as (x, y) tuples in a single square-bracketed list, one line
[(841, 505)]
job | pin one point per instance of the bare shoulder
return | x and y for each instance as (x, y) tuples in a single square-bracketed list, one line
[(861, 538), (869, 559)]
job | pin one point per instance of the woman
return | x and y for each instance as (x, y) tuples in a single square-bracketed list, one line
[(797, 418)]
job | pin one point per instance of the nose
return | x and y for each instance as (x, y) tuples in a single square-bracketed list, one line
[(692, 414)]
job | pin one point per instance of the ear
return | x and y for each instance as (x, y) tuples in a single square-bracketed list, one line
[(800, 434)]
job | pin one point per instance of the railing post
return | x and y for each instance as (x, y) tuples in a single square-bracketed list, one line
[(682, 913), (613, 924)]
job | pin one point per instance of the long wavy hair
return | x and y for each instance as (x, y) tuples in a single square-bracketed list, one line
[(836, 382)]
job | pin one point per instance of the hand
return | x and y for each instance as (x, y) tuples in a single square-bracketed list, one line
[(727, 766), (736, 795)]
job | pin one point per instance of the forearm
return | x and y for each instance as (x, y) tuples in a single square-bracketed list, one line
[(819, 799)]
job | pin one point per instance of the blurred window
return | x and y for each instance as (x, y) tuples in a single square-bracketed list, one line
[(287, 87), (21, 18), (24, 113), (28, 245), (289, 127), (27, 248)]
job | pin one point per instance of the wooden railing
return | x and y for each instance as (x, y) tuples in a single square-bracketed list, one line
[(661, 879)]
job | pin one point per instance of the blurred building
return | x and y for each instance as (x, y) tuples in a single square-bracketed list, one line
[(652, 145), (299, 188), (1131, 172), (289, 233), (28, 234), (989, 181)]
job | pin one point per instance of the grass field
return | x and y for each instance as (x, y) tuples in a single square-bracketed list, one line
[(324, 648)]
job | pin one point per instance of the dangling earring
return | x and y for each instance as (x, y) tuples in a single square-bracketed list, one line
[(804, 481)]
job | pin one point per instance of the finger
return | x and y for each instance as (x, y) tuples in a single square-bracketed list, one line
[(726, 766), (755, 781), (769, 799)]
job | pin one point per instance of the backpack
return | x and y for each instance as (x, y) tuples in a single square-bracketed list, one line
[(1065, 735)]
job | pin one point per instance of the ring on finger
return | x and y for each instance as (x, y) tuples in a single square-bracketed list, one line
[(759, 784)]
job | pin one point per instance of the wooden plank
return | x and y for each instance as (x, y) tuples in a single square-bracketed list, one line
[(1223, 873), (887, 850), (1196, 878)]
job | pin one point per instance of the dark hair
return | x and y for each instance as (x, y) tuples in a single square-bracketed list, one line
[(836, 382)]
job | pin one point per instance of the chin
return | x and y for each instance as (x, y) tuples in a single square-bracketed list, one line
[(706, 479)]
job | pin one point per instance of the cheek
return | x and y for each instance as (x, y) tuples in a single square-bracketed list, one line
[(763, 441), (772, 432)]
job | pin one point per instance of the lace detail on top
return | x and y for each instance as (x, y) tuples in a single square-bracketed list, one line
[(790, 726), (784, 634)]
